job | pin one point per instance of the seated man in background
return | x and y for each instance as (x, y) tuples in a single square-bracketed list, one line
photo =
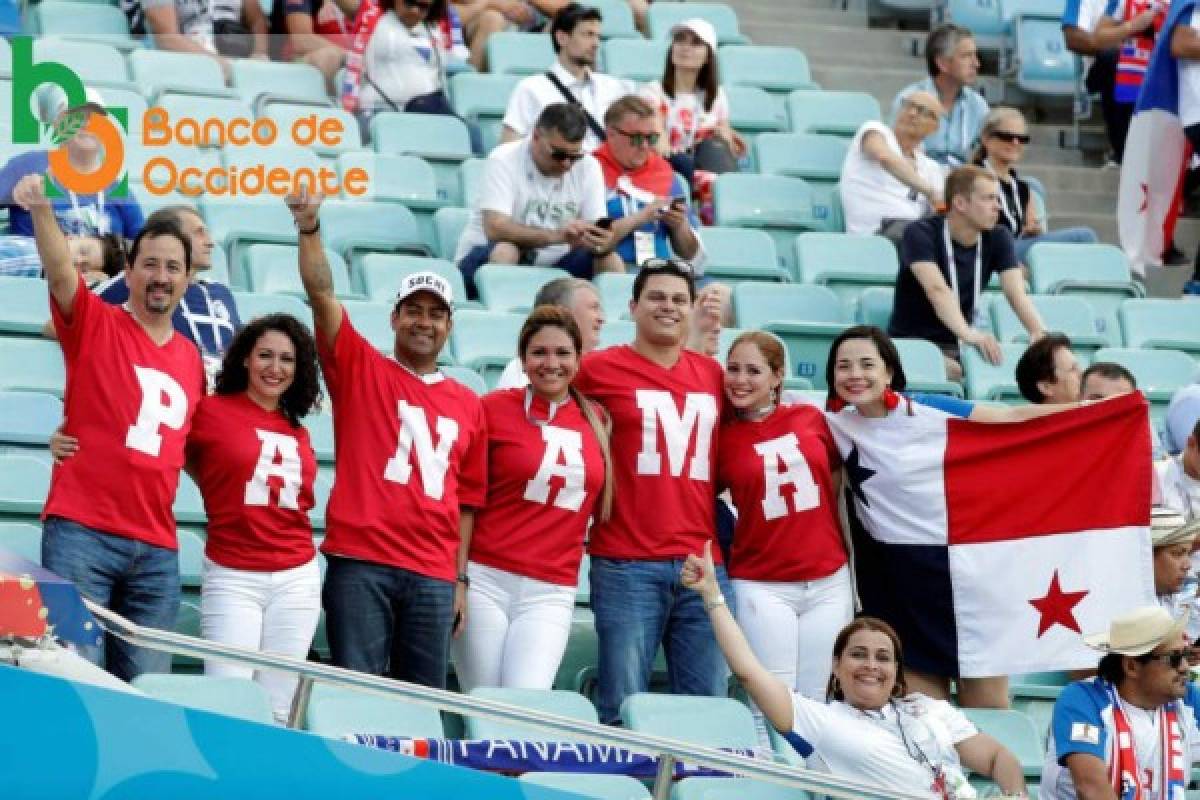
[(539, 202), (582, 300), (647, 201), (1104, 379), (1172, 536), (1179, 478), (1183, 413), (314, 32), (887, 181), (180, 26), (1048, 371), (945, 263)]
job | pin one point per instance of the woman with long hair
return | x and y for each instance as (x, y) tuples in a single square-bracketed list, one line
[(549, 473)]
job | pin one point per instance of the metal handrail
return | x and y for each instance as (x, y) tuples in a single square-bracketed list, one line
[(667, 750)]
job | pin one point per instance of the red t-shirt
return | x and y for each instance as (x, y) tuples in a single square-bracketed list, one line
[(256, 474), (130, 403), (543, 482), (664, 446), (396, 498), (780, 473)]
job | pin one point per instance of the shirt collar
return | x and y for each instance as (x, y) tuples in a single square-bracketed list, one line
[(567, 78)]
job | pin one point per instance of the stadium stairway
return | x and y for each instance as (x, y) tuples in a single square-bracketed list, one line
[(845, 54)]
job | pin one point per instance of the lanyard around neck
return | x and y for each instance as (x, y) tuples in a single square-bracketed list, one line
[(952, 265), (1012, 215), (97, 224)]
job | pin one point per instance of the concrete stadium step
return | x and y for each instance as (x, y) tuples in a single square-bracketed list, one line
[(1062, 202), (1075, 179)]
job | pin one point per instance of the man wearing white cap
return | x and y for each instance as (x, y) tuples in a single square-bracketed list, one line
[(411, 469), (1131, 731), (575, 35)]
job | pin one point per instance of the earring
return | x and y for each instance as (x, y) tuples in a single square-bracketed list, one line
[(891, 399)]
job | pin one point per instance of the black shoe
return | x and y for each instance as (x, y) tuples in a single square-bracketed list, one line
[(1174, 257)]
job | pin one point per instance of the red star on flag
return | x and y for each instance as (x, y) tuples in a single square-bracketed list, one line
[(1055, 607)]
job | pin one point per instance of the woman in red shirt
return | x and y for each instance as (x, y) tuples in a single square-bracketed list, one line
[(788, 561), (255, 467), (548, 467)]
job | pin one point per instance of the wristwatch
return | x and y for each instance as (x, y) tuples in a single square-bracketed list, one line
[(719, 600), (464, 579)]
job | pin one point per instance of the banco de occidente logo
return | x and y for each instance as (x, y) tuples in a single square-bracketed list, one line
[(159, 173)]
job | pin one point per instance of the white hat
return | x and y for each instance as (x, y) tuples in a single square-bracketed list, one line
[(702, 28), (1168, 527), (1138, 632), (1182, 415), (426, 282), (53, 101)]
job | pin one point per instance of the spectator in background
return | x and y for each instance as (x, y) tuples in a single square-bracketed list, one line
[(133, 386), (1131, 27), (1172, 535), (953, 63), (1185, 46), (411, 470), (1183, 412), (575, 34), (1103, 379), (97, 258), (576, 296), (240, 29), (1001, 146), (945, 263), (1048, 371), (664, 402), (1107, 729), (539, 202), (647, 201), (695, 133), (549, 475), (314, 32), (181, 26), (1079, 21), (887, 180), (1179, 477)]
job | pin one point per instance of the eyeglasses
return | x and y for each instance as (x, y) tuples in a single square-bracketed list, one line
[(426, 7), (639, 139), (1174, 659), (922, 111), (570, 156), (1010, 137)]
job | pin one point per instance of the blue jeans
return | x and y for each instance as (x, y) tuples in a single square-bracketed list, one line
[(139, 581), (388, 621), (1063, 235), (579, 262), (639, 604)]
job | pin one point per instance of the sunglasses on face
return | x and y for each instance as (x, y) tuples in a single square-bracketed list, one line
[(661, 263), (1010, 137), (569, 156), (639, 139), (1174, 659)]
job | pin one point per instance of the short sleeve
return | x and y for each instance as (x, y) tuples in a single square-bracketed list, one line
[(498, 192), (519, 116), (592, 204), (472, 478), (1076, 724), (953, 720), (918, 245), (1003, 255), (70, 332), (809, 720), (348, 348), (954, 406)]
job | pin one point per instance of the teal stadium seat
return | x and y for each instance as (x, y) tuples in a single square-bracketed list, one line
[(807, 318), (442, 141), (925, 368), (815, 157), (1069, 315), (1036, 54), (471, 180), (616, 332), (637, 60), (24, 482), (187, 622), (94, 21), (987, 381), (161, 166), (705, 721), (779, 70), (191, 559), (280, 156), (734, 789), (1159, 373), (576, 671), (468, 378), (875, 306), (24, 306), (357, 228), (783, 207), (233, 697), (374, 322), (32, 365), (295, 130), (1161, 324), (485, 341), (753, 110), (834, 113), (96, 63), (28, 418), (226, 109), (251, 305), (595, 787), (262, 82), (449, 224), (189, 504), (741, 254), (237, 223), (1015, 731), (517, 53), (150, 202), (320, 433), (663, 16), (1035, 700), (381, 276), (159, 72), (482, 99), (398, 179), (503, 287), (322, 488), (273, 269), (615, 290), (22, 538), (336, 712), (1098, 273), (618, 20), (549, 701), (983, 19), (135, 106), (846, 263)]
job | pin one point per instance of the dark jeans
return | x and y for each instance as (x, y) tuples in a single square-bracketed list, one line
[(136, 580), (1101, 79), (388, 621), (639, 604), (579, 262)]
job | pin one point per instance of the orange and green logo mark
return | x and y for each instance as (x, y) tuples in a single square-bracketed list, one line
[(28, 78)]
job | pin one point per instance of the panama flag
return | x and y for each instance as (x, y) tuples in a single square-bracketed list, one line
[(992, 547), (1155, 153)]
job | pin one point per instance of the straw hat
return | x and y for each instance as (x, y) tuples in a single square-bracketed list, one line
[(1138, 632), (1168, 527)]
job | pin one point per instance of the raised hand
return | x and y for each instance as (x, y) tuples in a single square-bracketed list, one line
[(30, 192), (304, 207), (700, 574)]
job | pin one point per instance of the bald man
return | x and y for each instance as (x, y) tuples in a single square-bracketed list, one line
[(887, 180)]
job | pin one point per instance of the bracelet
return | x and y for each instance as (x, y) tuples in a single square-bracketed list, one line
[(719, 600), (316, 227), (464, 579)]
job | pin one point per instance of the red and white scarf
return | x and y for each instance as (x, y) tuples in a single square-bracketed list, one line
[(365, 20), (1125, 774)]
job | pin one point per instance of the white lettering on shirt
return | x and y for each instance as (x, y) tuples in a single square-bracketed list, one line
[(784, 464), (563, 458), (699, 417), (163, 403), (433, 461), (279, 456)]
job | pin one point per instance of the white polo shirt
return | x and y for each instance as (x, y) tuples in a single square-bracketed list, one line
[(596, 93), (513, 185)]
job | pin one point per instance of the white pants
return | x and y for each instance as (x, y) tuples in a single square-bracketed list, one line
[(273, 612), (791, 627), (516, 630)]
